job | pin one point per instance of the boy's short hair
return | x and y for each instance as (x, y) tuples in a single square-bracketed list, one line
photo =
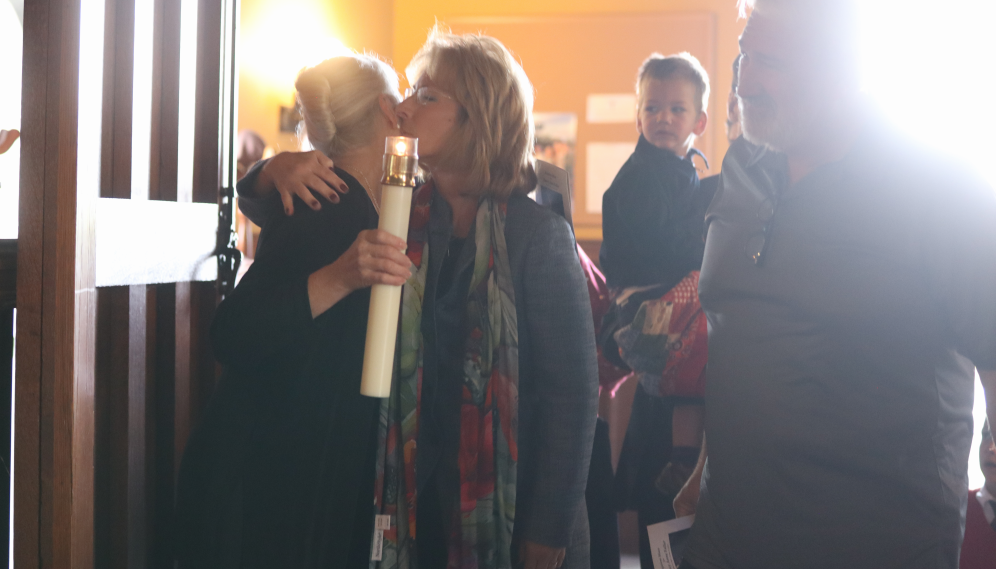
[(681, 65)]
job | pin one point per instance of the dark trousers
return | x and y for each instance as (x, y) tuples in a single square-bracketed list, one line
[(432, 542), (646, 450), (603, 521)]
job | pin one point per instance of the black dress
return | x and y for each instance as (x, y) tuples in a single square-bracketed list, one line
[(280, 471)]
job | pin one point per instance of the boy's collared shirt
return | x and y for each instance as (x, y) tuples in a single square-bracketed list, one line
[(652, 219)]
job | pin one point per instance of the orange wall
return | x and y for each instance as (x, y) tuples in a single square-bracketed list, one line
[(413, 18), (596, 54)]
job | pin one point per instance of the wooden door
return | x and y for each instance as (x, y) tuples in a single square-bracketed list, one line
[(126, 145)]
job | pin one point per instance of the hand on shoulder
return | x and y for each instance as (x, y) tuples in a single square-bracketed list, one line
[(299, 174)]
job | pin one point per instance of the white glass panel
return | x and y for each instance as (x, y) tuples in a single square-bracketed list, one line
[(10, 115), (141, 104), (90, 99), (188, 97)]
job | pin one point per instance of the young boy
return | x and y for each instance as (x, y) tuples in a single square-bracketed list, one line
[(652, 227), (649, 234)]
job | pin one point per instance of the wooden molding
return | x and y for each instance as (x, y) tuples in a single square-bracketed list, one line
[(588, 232), (99, 435), (53, 497)]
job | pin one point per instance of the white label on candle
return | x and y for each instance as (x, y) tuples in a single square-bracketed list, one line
[(378, 545), (382, 522)]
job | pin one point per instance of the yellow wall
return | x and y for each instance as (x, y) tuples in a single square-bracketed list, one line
[(366, 25), (278, 37), (413, 18)]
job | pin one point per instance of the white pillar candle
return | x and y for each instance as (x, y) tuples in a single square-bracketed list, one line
[(400, 163)]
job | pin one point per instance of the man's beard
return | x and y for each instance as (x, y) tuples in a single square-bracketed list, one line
[(780, 128)]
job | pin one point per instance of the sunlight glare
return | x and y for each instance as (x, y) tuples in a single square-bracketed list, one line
[(286, 37), (141, 112), (932, 66)]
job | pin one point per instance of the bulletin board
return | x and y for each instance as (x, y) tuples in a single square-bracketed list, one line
[(569, 58)]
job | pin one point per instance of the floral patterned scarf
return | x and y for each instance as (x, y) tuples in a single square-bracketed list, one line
[(481, 531)]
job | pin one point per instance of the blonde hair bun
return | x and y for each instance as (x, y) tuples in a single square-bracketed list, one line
[(338, 99)]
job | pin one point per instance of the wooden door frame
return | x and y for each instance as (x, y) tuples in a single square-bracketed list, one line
[(57, 300), (53, 452)]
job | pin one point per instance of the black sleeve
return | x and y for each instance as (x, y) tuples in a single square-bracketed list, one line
[(634, 210), (259, 210), (269, 311)]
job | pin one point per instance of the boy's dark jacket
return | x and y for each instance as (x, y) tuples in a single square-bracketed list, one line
[(653, 218)]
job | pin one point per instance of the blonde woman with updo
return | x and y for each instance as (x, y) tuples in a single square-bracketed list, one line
[(280, 471)]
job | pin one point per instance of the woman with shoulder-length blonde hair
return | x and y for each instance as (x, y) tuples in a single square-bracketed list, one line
[(497, 344)]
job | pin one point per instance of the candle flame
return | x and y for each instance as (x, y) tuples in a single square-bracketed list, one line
[(401, 147)]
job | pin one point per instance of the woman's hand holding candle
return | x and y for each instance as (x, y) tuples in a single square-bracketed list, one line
[(376, 257)]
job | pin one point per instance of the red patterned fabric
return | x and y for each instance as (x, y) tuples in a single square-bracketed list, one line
[(666, 344), (480, 533), (684, 373), (978, 551)]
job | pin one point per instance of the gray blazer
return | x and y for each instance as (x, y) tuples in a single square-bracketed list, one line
[(558, 379), (558, 373)]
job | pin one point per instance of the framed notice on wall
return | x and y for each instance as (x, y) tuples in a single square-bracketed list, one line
[(586, 66)]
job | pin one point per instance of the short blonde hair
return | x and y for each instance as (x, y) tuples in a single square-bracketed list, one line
[(339, 101), (683, 66), (494, 134)]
